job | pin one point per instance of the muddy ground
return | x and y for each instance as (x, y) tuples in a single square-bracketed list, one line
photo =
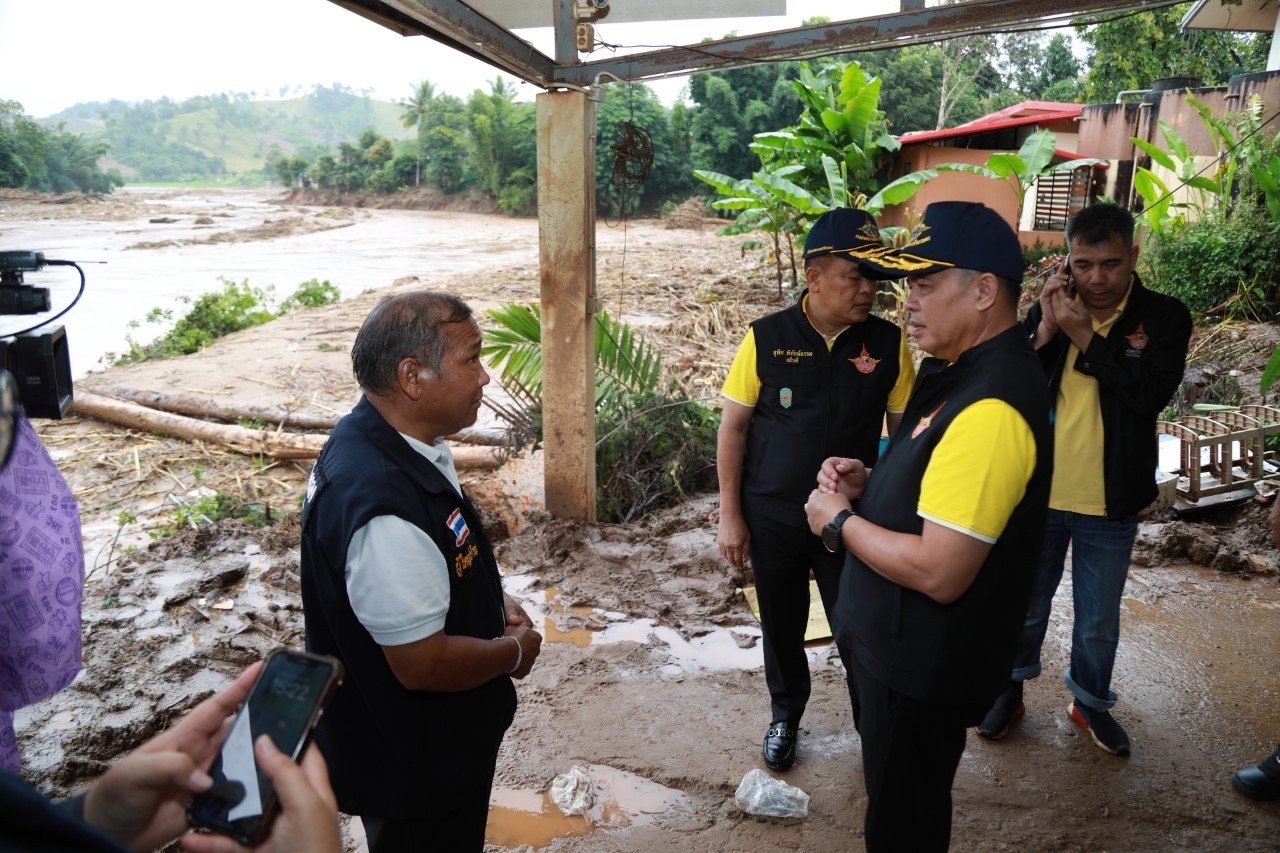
[(651, 671)]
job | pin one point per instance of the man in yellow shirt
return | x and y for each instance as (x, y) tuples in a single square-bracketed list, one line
[(1114, 353), (810, 381), (941, 543)]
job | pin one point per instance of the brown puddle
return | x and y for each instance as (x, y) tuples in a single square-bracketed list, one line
[(573, 636), (519, 817)]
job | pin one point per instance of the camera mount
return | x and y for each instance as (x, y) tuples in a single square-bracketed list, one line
[(40, 363)]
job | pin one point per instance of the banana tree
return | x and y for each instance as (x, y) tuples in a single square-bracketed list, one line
[(832, 151), (1160, 210), (841, 121), (770, 202)]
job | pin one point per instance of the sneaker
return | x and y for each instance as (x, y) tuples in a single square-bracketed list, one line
[(1005, 711), (1260, 781), (1102, 727)]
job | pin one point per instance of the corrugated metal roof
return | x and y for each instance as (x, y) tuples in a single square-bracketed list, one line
[(1018, 115)]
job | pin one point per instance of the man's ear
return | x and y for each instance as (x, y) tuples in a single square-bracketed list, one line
[(811, 272), (986, 291), (410, 376)]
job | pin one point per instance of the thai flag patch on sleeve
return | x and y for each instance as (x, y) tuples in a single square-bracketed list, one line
[(458, 524)]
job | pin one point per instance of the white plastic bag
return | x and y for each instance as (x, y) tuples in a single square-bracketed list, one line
[(761, 794), (574, 792)]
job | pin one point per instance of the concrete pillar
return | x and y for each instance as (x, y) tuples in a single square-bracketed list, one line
[(567, 272)]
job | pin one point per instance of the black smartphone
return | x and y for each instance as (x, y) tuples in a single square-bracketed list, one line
[(1071, 281), (285, 703)]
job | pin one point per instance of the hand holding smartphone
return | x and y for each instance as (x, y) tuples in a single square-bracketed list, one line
[(284, 703)]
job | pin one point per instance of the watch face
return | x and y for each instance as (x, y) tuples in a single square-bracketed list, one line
[(831, 534)]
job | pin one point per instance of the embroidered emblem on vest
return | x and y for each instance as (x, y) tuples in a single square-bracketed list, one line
[(458, 524), (865, 363), (311, 486), (463, 559), (927, 421), (1138, 340), (785, 397)]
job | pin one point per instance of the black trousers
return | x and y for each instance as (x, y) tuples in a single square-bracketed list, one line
[(910, 751), (782, 557), (458, 827)]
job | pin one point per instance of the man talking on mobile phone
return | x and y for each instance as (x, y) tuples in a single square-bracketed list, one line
[(399, 582), (1113, 352)]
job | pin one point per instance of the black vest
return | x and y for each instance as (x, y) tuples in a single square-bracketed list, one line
[(958, 654), (813, 404), (395, 752)]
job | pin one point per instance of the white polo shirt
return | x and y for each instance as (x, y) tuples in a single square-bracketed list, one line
[(397, 579)]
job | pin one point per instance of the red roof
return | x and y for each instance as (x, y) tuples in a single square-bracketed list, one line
[(1018, 115)]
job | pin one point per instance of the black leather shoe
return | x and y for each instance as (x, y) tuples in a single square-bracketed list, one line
[(1259, 782), (780, 746)]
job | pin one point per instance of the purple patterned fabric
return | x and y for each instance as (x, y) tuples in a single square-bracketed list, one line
[(41, 579)]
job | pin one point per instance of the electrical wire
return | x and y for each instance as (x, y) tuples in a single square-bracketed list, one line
[(61, 313)]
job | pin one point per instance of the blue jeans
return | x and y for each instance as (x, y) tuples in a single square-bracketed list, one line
[(1100, 552)]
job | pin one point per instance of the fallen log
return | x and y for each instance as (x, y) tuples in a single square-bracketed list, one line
[(253, 442), (208, 410)]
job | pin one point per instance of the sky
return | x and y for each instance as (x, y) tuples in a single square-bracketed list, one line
[(56, 53)]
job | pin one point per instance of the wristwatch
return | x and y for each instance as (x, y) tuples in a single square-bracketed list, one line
[(831, 539)]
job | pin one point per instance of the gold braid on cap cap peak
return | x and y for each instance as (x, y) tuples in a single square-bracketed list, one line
[(899, 259), (867, 233)]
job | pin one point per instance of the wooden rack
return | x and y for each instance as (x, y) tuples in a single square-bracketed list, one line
[(1223, 451)]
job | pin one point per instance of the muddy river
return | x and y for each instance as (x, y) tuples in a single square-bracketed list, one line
[(133, 264)]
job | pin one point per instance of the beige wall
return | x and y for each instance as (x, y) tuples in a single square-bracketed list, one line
[(1105, 129), (1104, 132)]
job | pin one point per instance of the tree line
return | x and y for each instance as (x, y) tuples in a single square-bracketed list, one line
[(37, 158), (485, 143)]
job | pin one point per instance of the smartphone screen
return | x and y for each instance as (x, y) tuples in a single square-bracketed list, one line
[(284, 703)]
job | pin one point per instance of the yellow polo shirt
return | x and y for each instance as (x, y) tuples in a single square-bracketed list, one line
[(979, 471), (742, 384), (1078, 484)]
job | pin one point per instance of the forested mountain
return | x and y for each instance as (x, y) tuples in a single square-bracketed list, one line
[(213, 136)]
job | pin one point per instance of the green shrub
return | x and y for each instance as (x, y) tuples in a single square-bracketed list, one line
[(1232, 262), (652, 452), (312, 293), (237, 306), (519, 195)]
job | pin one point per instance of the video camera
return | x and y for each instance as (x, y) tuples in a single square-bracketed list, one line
[(39, 361)]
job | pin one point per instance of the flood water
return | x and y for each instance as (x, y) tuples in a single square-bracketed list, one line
[(378, 247)]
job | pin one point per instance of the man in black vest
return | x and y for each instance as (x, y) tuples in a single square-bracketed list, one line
[(808, 382), (942, 543), (400, 583)]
